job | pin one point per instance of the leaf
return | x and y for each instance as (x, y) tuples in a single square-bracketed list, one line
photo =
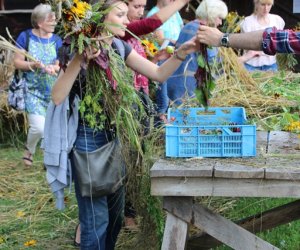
[(200, 96), (201, 61), (80, 43)]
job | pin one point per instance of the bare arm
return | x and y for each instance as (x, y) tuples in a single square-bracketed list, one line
[(160, 73), (65, 80), (249, 55), (165, 13), (212, 36), (22, 64)]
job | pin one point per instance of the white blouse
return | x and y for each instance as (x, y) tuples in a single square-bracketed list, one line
[(251, 24)]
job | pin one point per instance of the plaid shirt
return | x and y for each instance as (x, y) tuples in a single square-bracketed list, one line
[(280, 41)]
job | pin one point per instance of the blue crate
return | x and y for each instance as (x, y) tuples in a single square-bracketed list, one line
[(195, 132)]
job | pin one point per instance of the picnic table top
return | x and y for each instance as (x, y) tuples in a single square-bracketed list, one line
[(274, 172), (278, 158)]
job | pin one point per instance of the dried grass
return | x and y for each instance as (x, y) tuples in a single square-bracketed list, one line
[(237, 87), (6, 68)]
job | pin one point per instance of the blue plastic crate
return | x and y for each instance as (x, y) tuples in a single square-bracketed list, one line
[(216, 132)]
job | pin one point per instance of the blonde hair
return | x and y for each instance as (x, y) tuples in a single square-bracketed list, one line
[(211, 9), (39, 14), (257, 2)]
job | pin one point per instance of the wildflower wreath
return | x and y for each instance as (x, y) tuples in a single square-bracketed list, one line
[(109, 92)]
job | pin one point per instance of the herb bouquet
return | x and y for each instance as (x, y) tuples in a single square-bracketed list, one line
[(110, 96)]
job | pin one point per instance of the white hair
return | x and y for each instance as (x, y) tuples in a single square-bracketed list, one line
[(40, 13), (211, 9)]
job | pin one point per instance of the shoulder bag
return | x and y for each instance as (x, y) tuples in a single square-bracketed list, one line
[(99, 172)]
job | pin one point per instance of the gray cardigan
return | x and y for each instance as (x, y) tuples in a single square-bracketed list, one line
[(59, 137)]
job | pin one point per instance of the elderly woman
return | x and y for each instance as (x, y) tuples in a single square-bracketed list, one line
[(101, 217), (182, 83), (40, 75), (259, 20)]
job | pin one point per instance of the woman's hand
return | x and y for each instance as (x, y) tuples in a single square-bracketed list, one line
[(161, 55), (50, 69), (187, 48), (91, 52)]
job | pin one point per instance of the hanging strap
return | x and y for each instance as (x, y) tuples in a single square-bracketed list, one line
[(120, 47)]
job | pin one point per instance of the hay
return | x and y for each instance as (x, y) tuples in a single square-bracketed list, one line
[(13, 124), (6, 68), (237, 87)]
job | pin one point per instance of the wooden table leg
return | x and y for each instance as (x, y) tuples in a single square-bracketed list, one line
[(214, 224), (175, 234)]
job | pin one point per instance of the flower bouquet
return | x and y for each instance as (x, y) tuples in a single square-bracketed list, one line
[(109, 95)]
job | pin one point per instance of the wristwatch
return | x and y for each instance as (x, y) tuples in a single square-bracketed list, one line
[(225, 40)]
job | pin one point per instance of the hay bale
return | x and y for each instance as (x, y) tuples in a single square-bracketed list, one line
[(6, 68)]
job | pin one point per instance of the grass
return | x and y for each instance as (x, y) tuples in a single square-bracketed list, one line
[(28, 214), (27, 211)]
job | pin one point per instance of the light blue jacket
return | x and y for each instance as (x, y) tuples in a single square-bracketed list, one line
[(59, 137)]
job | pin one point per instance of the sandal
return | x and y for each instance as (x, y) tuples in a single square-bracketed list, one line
[(76, 237), (27, 158)]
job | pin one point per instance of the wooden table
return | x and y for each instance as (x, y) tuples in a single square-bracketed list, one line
[(274, 172)]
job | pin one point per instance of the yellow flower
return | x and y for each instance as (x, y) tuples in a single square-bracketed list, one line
[(150, 48), (79, 8), (294, 126), (20, 214), (30, 243)]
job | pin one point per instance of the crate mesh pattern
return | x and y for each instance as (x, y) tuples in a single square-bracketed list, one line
[(216, 132)]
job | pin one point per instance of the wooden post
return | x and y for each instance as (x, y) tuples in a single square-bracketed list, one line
[(175, 233)]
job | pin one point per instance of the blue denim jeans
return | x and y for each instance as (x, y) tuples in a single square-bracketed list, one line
[(272, 67), (100, 218)]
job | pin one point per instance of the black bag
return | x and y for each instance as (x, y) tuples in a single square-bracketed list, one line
[(99, 172), (17, 86), (17, 92)]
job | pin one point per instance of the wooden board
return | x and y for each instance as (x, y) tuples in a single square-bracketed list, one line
[(214, 224), (189, 186)]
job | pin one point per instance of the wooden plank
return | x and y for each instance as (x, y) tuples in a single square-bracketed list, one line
[(175, 233), (257, 223), (15, 11), (282, 142), (215, 225), (184, 168), (170, 186), (238, 171), (283, 173)]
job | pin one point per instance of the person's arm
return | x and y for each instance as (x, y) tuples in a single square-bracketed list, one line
[(162, 72), (24, 65), (65, 80), (212, 36), (270, 40), (249, 55), (149, 24)]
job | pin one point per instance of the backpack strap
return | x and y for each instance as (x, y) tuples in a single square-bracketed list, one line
[(120, 47), (27, 39)]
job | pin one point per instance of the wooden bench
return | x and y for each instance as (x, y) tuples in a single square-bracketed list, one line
[(274, 172)]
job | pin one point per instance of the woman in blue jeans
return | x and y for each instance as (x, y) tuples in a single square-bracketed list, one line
[(100, 220), (101, 217)]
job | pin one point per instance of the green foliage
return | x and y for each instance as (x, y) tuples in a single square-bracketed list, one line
[(286, 61), (279, 86)]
